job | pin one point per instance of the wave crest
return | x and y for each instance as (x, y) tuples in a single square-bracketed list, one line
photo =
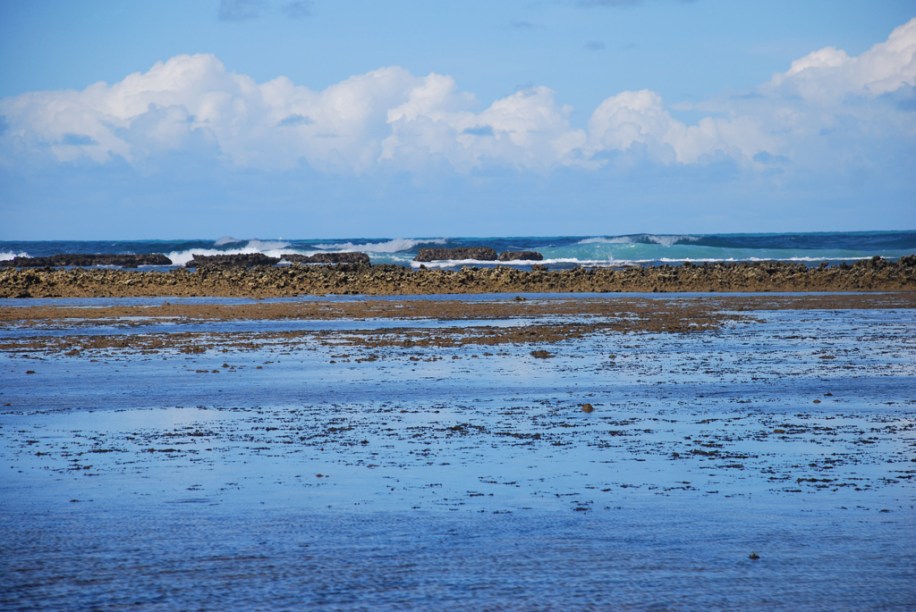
[(603, 240), (389, 246), (226, 240), (659, 239), (269, 248), (669, 240)]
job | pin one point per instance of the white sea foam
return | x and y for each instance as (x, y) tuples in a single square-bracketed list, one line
[(691, 260), (603, 240), (281, 253), (448, 263), (455, 263), (180, 258), (267, 245), (269, 248), (8, 255), (659, 239), (669, 240), (389, 246), (620, 263), (747, 259), (806, 259), (225, 240)]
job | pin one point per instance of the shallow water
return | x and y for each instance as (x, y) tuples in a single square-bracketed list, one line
[(469, 477)]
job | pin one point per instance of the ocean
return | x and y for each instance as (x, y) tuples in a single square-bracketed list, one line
[(558, 251)]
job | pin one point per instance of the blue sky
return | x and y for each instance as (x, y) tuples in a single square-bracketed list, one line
[(344, 118)]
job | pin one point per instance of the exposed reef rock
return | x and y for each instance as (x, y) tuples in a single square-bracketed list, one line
[(262, 281), (246, 260), (359, 259), (476, 253), (84, 260), (520, 256)]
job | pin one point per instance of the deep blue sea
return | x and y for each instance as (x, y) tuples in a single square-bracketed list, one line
[(599, 250)]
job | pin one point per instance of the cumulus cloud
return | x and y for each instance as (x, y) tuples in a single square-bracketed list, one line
[(387, 117), (829, 74), (792, 113), (392, 119)]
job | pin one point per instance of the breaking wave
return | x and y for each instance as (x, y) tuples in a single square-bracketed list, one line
[(659, 239), (269, 248), (396, 245), (607, 250)]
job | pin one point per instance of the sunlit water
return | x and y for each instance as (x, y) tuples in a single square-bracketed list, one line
[(306, 475)]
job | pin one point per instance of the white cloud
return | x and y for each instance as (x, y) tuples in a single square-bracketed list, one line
[(634, 118), (640, 119), (789, 117), (828, 74), (390, 118)]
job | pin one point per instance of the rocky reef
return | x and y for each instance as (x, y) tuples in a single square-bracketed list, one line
[(520, 256), (476, 253), (270, 281), (84, 260), (357, 259), (246, 260)]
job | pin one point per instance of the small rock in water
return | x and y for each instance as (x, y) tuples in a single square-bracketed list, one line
[(541, 354), (478, 252), (520, 256), (588, 408), (358, 259)]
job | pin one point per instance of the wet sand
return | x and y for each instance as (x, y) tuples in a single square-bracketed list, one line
[(537, 320), (413, 453)]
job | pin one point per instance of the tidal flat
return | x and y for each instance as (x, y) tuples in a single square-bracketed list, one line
[(412, 452)]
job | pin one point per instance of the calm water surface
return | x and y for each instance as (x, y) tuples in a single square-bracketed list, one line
[(309, 475)]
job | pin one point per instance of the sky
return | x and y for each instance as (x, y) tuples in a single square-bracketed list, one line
[(128, 119)]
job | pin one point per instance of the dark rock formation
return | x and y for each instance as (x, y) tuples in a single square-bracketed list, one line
[(89, 260), (360, 259), (246, 260), (520, 256), (478, 253), (264, 281)]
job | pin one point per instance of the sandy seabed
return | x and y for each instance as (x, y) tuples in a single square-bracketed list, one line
[(424, 452)]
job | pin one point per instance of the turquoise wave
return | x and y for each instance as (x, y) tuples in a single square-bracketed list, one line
[(607, 250)]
